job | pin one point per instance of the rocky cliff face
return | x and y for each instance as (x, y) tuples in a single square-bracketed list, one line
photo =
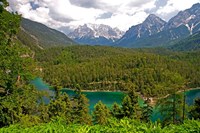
[(189, 18), (150, 26)]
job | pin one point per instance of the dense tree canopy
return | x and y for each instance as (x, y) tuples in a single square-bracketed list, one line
[(107, 68), (18, 99)]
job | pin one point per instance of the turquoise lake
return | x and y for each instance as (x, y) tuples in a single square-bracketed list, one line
[(109, 98)]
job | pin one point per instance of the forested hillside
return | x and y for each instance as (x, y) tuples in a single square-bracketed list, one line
[(107, 68), (18, 99), (191, 43), (35, 34)]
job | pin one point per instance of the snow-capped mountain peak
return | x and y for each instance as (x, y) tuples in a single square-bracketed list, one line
[(96, 31), (154, 31), (151, 25)]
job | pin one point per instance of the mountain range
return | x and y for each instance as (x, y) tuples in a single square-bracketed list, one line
[(156, 32), (180, 31), (95, 34), (152, 32)]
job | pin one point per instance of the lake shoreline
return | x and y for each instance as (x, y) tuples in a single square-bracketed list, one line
[(95, 90), (123, 91), (126, 91), (153, 100)]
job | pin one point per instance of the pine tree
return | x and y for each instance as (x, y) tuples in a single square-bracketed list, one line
[(116, 111), (61, 107), (127, 107), (101, 113), (147, 111), (57, 88), (130, 106), (169, 112), (81, 108)]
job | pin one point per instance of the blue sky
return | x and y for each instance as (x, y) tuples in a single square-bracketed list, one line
[(67, 14)]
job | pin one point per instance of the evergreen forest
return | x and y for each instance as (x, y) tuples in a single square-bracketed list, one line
[(149, 73)]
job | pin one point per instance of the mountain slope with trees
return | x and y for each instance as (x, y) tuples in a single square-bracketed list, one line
[(18, 99), (34, 33), (191, 43)]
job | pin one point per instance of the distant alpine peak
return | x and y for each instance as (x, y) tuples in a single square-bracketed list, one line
[(153, 19), (95, 31), (151, 25), (152, 16), (97, 26)]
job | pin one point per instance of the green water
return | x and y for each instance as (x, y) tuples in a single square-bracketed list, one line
[(109, 98), (39, 84)]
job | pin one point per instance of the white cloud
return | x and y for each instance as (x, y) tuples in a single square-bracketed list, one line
[(122, 13), (124, 21)]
